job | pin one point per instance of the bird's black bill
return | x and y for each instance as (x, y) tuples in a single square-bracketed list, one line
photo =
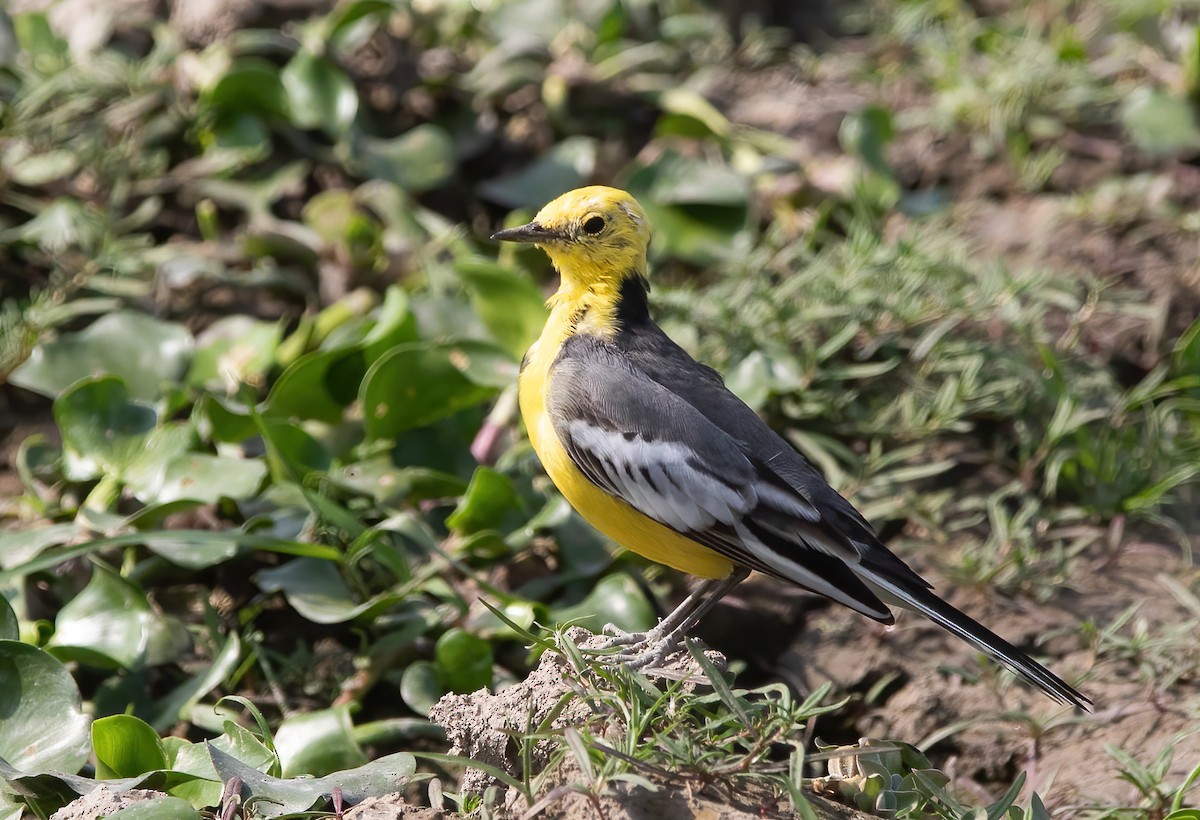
[(533, 232)]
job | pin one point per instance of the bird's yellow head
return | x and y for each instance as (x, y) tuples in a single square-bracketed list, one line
[(595, 236)]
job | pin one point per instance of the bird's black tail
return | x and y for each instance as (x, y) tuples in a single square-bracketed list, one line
[(977, 635)]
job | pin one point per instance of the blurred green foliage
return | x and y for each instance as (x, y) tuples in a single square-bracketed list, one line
[(275, 355)]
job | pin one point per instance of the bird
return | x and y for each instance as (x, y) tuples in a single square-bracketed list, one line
[(653, 450)]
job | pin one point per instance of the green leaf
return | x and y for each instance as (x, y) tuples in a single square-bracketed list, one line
[(19, 546), (394, 325), (319, 94), (104, 430), (464, 661), (421, 686), (508, 302), (687, 112), (418, 160), (1185, 357), (250, 86), (292, 453), (145, 353), (336, 217), (699, 209), (44, 727), (184, 550), (318, 743), (273, 797), (318, 385), (10, 627), (217, 421), (204, 788), (315, 589), (565, 166), (417, 384), (678, 180), (616, 599), (177, 540), (250, 748), (111, 623), (232, 351), (126, 746), (866, 133), (206, 479), (345, 15), (488, 501), (34, 35), (1159, 123), (159, 808)]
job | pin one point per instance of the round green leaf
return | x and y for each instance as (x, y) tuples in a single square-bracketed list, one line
[(421, 686), (44, 727), (318, 743), (697, 208), (112, 623), (126, 746), (242, 131), (318, 385), (415, 385), (331, 214), (616, 599), (314, 588), (216, 421), (104, 430), (464, 661), (489, 499), (234, 350), (565, 166), (144, 352), (418, 160), (508, 302), (319, 93), (250, 86)]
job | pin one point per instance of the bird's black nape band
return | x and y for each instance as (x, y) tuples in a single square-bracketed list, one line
[(633, 306)]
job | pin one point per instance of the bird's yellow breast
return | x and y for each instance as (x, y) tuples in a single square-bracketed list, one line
[(613, 517)]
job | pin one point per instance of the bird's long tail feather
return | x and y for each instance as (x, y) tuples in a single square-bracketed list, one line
[(977, 635)]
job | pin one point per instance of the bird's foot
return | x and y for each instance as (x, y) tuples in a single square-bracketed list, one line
[(615, 636), (639, 650), (656, 649), (647, 655)]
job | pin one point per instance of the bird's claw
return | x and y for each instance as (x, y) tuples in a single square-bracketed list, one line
[(619, 637), (630, 642), (639, 650)]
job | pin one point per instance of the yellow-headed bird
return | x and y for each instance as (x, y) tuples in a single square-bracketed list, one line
[(653, 450)]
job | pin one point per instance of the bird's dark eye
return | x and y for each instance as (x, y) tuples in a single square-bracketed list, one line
[(593, 225)]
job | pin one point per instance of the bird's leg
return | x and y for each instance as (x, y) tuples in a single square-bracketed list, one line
[(642, 649)]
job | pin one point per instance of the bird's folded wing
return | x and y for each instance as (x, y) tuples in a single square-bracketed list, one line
[(641, 443)]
